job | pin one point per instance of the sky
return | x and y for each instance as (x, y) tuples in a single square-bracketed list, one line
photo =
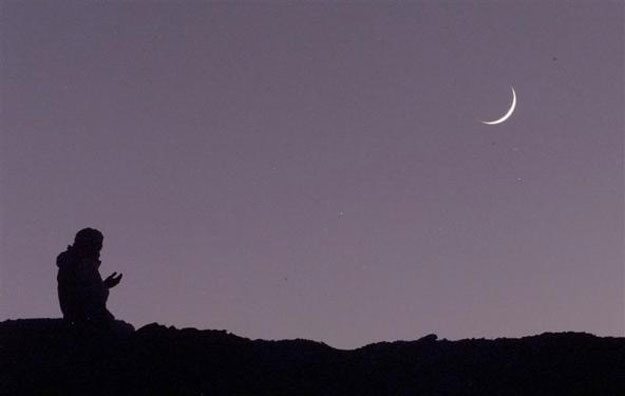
[(319, 170)]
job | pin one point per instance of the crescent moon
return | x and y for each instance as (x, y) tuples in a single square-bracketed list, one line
[(508, 114)]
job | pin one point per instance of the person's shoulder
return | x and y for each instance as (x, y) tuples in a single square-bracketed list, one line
[(65, 257)]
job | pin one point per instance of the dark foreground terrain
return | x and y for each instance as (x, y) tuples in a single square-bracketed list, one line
[(45, 357)]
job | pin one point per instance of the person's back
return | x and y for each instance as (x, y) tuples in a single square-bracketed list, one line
[(82, 292), (68, 286)]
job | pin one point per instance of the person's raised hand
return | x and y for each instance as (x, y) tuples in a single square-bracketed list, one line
[(112, 280)]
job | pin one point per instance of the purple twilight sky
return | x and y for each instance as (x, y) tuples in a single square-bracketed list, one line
[(318, 170)]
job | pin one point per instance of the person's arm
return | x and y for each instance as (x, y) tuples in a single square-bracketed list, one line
[(112, 280)]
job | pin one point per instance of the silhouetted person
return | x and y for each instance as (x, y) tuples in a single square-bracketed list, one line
[(82, 292)]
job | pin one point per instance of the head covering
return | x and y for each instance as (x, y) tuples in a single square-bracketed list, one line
[(88, 236)]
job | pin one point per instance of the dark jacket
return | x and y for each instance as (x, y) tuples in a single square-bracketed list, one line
[(82, 292)]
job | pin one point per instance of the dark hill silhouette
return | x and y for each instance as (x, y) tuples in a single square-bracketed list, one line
[(49, 357)]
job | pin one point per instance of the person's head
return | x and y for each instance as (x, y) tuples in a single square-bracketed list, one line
[(88, 242)]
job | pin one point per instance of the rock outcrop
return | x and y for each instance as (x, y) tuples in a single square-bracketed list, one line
[(46, 357)]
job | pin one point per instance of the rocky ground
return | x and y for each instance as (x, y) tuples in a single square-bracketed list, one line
[(47, 357)]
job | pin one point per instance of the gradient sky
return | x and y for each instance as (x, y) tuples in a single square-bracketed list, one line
[(318, 170)]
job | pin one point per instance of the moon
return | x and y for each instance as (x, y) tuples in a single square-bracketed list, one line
[(508, 113)]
